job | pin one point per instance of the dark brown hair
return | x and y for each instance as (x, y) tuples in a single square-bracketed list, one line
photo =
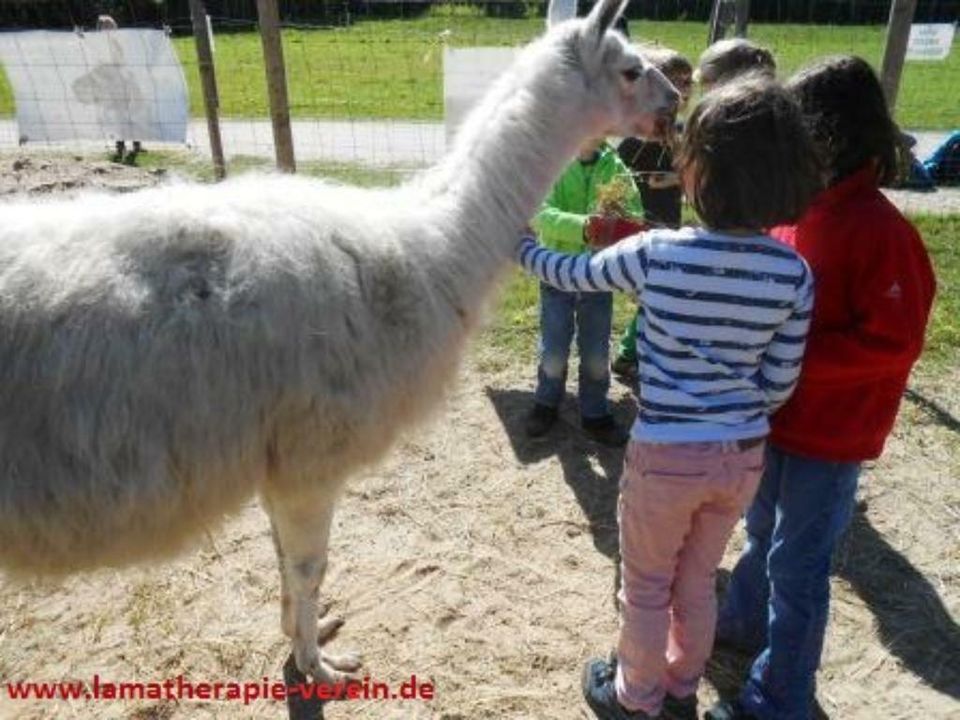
[(753, 163), (726, 59), (846, 113), (666, 60)]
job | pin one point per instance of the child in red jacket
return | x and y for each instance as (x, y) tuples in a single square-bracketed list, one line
[(875, 287)]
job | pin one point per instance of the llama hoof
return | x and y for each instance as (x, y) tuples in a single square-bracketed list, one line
[(348, 662), (333, 674), (325, 667), (328, 627), (307, 661), (326, 673)]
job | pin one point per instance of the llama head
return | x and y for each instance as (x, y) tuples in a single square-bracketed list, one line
[(624, 94)]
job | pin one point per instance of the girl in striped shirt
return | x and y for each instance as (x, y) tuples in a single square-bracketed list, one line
[(724, 315)]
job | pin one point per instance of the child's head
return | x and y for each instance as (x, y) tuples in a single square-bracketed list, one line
[(746, 161), (727, 59), (588, 148), (673, 65), (846, 113)]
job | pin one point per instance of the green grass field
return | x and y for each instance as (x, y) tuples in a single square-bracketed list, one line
[(393, 68), (940, 234)]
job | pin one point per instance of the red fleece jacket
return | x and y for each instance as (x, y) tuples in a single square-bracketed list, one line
[(874, 289)]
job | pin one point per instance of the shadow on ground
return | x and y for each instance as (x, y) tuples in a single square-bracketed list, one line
[(939, 414), (591, 470), (912, 621)]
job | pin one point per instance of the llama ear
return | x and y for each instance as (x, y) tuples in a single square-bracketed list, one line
[(604, 15), (560, 10)]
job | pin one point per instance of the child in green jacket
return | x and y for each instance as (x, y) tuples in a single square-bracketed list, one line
[(569, 222)]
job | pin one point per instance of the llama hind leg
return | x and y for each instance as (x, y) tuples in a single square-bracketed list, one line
[(301, 530)]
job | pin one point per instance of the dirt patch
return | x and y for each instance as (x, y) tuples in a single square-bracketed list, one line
[(22, 174)]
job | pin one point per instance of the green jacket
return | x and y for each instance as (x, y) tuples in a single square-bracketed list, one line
[(573, 199)]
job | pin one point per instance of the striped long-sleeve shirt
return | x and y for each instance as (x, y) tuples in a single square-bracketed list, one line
[(722, 326)]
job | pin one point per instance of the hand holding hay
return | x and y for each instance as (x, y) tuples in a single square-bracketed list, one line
[(613, 220)]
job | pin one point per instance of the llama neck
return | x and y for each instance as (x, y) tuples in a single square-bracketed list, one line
[(505, 162)]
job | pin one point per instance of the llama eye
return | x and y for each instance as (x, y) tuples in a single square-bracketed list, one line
[(632, 75)]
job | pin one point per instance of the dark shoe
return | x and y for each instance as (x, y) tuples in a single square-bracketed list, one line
[(600, 692), (729, 636), (733, 646), (728, 710), (624, 368), (680, 708), (540, 420), (605, 431)]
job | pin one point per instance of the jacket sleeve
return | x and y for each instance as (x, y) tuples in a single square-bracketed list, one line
[(619, 267), (559, 229), (892, 296), (781, 363)]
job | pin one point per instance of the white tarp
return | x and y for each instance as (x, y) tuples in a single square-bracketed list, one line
[(112, 84), (467, 74), (930, 42)]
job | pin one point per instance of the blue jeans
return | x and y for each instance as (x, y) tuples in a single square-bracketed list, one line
[(591, 314), (779, 592)]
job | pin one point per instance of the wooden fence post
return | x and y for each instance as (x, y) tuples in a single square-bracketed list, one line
[(716, 28), (723, 14), (276, 83), (895, 50), (208, 80), (742, 18)]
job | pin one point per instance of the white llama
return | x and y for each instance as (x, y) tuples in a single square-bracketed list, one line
[(168, 354)]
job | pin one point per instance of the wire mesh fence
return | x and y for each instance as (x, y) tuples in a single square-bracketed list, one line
[(365, 79)]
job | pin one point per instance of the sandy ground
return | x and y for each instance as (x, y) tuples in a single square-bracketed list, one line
[(484, 563), (44, 174)]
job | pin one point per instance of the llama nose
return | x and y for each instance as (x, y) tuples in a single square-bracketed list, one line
[(672, 98)]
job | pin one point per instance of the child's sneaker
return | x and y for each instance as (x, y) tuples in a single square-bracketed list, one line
[(600, 692), (675, 708), (624, 368), (540, 420), (605, 431)]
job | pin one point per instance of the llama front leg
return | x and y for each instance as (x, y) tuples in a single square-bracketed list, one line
[(301, 531)]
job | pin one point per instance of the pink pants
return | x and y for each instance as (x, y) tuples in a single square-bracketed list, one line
[(678, 506)]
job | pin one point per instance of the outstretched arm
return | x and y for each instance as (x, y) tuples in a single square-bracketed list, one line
[(620, 267)]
